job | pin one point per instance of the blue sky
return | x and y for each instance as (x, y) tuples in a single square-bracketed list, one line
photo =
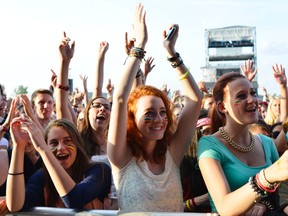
[(32, 29)]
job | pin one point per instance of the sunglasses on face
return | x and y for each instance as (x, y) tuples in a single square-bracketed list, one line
[(99, 105)]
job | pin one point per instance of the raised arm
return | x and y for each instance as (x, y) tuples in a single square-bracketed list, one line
[(248, 71), (148, 67), (12, 113), (281, 79), (110, 90), (118, 151), (85, 89), (15, 178), (99, 75), (62, 86), (192, 100), (29, 111)]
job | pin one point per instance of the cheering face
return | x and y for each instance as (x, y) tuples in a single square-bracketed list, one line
[(62, 146), (151, 118), (43, 105), (99, 113), (240, 100)]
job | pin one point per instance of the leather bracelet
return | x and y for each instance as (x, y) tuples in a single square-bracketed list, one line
[(14, 174), (174, 58), (177, 62)]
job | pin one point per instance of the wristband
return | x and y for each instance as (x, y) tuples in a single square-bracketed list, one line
[(14, 174), (3, 128), (184, 75), (174, 58), (65, 88)]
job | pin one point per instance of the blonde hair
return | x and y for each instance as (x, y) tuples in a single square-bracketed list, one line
[(271, 118)]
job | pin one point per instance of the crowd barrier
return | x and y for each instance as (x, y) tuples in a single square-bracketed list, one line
[(64, 211)]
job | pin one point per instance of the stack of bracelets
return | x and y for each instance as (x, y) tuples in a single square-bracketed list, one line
[(137, 52), (262, 187), (190, 204), (176, 60)]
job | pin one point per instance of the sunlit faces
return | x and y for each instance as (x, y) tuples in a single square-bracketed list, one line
[(43, 104), (62, 146), (275, 107), (240, 101), (208, 103), (99, 113), (151, 118)]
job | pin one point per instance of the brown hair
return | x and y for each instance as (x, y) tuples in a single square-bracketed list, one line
[(218, 119), (134, 135), (40, 91), (205, 97), (86, 132), (80, 165)]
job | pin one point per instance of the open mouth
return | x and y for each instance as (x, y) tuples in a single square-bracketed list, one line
[(251, 109), (101, 117), (62, 157)]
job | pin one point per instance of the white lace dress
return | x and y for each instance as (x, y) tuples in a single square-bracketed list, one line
[(138, 189)]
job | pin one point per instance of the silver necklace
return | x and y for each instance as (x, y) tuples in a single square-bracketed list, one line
[(236, 145)]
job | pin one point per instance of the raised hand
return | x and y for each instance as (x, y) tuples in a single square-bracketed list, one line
[(103, 47), (66, 50), (247, 70), (202, 87), (129, 44), (110, 87), (53, 79), (148, 67), (19, 136), (279, 74), (140, 28), (175, 96), (169, 45), (84, 79), (25, 127), (165, 90)]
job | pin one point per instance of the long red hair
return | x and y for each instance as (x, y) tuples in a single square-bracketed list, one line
[(134, 135)]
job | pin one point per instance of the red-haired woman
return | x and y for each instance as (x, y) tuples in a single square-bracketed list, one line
[(146, 155)]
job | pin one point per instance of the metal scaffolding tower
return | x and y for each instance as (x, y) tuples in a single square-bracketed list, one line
[(226, 49)]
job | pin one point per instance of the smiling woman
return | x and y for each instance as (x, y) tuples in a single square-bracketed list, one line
[(67, 174)]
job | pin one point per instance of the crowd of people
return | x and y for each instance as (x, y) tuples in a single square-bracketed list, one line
[(220, 150)]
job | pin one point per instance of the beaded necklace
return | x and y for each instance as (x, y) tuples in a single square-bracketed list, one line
[(236, 145)]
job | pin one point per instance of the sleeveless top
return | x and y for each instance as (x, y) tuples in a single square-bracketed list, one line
[(139, 189)]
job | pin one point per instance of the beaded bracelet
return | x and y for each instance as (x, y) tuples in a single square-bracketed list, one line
[(267, 204), (259, 191), (177, 62), (270, 185), (263, 187), (65, 88), (137, 52)]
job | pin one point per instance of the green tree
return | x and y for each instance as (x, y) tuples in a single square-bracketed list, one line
[(20, 90)]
